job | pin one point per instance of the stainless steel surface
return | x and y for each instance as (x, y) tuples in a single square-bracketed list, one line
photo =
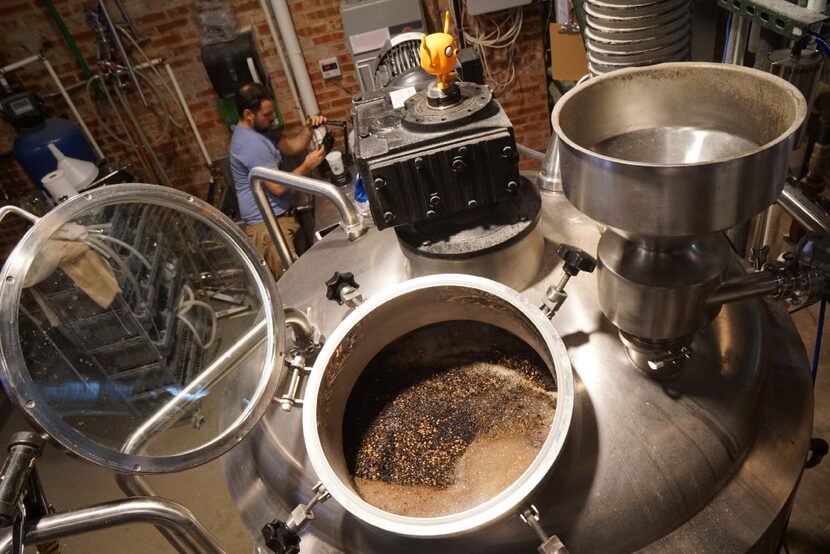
[(134, 485), (516, 265), (659, 293), (677, 149), (350, 222), (158, 511), (628, 34), (302, 328), (99, 415), (391, 314), (530, 153), (744, 286), (705, 462), (803, 210), (285, 252), (550, 177), (738, 37)]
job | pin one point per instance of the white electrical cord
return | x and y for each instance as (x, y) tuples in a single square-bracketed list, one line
[(123, 244), (191, 302), (500, 32), (100, 247)]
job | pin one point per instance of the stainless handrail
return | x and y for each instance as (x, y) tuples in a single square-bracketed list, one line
[(161, 512), (350, 221)]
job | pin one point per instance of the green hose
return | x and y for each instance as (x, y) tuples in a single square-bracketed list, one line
[(70, 42)]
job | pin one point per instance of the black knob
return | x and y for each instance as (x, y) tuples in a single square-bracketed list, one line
[(335, 285), (576, 259), (280, 539)]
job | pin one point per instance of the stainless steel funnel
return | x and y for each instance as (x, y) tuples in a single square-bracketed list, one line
[(666, 157), (679, 149)]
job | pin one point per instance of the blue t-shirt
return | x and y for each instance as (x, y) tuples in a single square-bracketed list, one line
[(250, 149)]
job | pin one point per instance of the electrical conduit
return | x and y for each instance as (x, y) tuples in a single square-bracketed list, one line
[(295, 56)]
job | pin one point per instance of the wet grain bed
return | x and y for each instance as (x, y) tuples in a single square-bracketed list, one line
[(445, 418)]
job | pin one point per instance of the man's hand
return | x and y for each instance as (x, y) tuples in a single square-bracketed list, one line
[(316, 120), (312, 160)]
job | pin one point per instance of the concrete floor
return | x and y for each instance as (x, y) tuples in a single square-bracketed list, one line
[(72, 483)]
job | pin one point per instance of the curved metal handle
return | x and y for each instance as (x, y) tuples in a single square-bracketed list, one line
[(6, 210), (158, 511)]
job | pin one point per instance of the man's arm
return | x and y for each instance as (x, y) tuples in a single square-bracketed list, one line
[(297, 144)]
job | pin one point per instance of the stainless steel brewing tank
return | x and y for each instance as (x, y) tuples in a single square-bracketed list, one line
[(707, 461)]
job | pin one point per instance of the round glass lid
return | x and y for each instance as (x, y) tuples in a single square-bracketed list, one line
[(130, 314)]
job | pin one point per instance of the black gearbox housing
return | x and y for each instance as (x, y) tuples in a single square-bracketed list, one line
[(422, 163)]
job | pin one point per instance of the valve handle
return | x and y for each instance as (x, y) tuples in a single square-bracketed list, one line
[(335, 285), (576, 259), (280, 539)]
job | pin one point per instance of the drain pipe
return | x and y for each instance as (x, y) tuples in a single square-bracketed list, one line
[(295, 56), (289, 75)]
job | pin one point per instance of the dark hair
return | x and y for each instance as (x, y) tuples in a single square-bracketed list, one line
[(250, 97)]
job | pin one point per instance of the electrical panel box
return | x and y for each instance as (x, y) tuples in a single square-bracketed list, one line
[(477, 7), (368, 24), (330, 68)]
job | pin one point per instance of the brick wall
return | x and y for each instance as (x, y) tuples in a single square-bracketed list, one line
[(173, 33)]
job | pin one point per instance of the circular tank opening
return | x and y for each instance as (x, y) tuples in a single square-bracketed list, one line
[(445, 418), (439, 406)]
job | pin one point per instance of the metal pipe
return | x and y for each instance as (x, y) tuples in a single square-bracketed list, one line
[(137, 486), (550, 177), (741, 30), (350, 221), (20, 63), (120, 45), (805, 212), (744, 286), (302, 327), (295, 56), (277, 237), (72, 107), (168, 414), (142, 138), (73, 46), (289, 75), (157, 511), (530, 153), (9, 209), (127, 18), (187, 113)]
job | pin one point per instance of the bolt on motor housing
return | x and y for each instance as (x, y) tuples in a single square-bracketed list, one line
[(419, 162)]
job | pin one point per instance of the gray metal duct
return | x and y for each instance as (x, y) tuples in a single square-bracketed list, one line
[(630, 33)]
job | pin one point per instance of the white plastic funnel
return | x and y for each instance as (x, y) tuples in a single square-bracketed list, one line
[(79, 173)]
